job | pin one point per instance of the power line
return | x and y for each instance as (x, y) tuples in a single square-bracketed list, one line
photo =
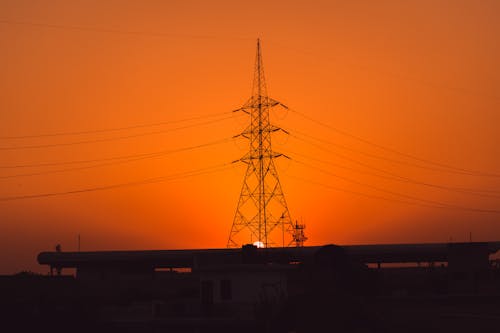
[(354, 150), (368, 154), (326, 142), (123, 157), (114, 138), (372, 186), (382, 170), (388, 149), (145, 156), (113, 31), (432, 202), (391, 159), (212, 169), (114, 129), (199, 36), (49, 164), (364, 194), (403, 179)]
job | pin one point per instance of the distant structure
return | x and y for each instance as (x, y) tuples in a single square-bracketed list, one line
[(353, 288), (262, 215), (299, 236)]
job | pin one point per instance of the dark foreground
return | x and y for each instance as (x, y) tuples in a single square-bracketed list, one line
[(329, 291)]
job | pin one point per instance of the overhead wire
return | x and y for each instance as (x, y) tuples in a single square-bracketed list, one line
[(396, 177), (463, 170), (460, 189), (370, 186), (122, 161), (431, 202), (199, 36), (372, 196), (395, 151), (113, 138), (192, 173), (443, 170), (317, 145), (115, 129), (294, 134), (51, 164), (115, 31), (122, 157)]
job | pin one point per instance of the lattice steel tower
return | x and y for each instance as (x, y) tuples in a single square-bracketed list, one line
[(262, 215)]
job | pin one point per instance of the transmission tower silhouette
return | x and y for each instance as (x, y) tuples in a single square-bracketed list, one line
[(262, 215)]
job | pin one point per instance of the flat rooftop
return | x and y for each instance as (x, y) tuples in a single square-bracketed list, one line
[(378, 253)]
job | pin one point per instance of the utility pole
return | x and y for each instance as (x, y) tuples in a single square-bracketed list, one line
[(262, 211)]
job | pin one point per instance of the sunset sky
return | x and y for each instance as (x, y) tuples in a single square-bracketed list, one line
[(366, 83)]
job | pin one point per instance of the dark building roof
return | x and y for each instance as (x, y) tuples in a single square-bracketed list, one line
[(169, 258), (382, 253)]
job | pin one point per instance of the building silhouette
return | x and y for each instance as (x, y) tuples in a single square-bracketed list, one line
[(440, 287)]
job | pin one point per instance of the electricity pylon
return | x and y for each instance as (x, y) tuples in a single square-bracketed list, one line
[(262, 215)]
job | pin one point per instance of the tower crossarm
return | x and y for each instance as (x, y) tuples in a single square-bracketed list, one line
[(248, 158), (268, 129), (263, 102)]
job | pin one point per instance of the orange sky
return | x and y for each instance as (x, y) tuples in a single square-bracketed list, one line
[(421, 77)]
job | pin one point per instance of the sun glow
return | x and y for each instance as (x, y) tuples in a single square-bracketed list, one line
[(258, 244)]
